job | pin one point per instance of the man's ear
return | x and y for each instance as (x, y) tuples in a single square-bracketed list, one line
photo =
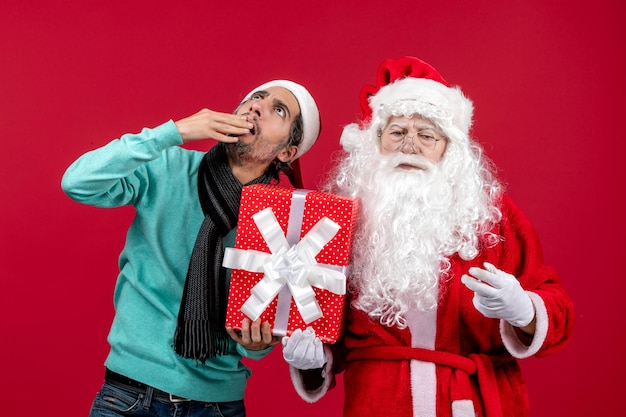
[(287, 153)]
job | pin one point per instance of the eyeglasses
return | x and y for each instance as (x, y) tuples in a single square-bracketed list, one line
[(393, 139)]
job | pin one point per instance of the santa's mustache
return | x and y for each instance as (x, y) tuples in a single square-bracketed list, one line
[(396, 160)]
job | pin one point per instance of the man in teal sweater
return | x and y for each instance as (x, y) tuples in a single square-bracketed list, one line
[(169, 349)]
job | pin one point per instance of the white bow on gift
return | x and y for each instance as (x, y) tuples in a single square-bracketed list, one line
[(294, 266)]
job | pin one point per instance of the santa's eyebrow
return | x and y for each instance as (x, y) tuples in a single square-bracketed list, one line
[(425, 126), (406, 125), (398, 125)]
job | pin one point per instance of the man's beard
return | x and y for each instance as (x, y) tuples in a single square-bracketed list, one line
[(240, 153)]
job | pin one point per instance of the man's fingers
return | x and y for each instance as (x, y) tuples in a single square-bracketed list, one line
[(234, 129), (255, 331), (255, 335), (231, 119), (233, 334), (231, 123), (245, 331), (266, 333)]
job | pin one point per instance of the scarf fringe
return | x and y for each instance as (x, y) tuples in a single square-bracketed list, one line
[(193, 340)]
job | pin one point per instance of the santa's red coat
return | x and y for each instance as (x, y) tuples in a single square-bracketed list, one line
[(454, 362)]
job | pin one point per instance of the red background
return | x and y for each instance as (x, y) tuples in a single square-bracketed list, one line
[(546, 79)]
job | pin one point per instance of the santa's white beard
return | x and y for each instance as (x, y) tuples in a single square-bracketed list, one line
[(401, 248), (413, 220)]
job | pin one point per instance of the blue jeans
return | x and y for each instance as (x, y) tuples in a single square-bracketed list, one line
[(114, 401)]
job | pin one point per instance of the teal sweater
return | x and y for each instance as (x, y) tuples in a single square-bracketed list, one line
[(159, 178)]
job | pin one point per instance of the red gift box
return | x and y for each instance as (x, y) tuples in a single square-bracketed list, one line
[(290, 260)]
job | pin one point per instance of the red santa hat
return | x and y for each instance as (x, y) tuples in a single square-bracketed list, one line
[(408, 86)]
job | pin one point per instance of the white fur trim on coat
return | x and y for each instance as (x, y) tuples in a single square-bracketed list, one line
[(513, 344), (327, 374)]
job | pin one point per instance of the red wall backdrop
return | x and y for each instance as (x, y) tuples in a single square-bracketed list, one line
[(546, 79)]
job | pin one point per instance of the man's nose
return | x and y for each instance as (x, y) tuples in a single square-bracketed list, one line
[(258, 107)]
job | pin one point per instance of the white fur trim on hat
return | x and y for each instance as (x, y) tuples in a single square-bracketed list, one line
[(446, 106), (308, 109)]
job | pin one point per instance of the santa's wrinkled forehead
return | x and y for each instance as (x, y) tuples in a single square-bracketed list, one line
[(411, 120)]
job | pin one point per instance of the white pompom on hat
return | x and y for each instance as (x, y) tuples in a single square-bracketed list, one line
[(308, 109)]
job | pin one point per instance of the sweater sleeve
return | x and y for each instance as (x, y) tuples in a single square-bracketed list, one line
[(111, 175), (253, 354)]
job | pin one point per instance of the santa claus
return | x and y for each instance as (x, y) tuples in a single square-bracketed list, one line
[(448, 288)]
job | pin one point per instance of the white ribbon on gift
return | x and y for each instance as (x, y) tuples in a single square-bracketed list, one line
[(293, 266)]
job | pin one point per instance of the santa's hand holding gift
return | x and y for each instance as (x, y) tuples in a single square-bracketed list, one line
[(447, 285)]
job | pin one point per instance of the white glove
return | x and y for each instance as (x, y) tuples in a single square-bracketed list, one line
[(499, 295), (304, 350)]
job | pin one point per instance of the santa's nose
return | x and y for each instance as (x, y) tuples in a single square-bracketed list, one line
[(408, 145)]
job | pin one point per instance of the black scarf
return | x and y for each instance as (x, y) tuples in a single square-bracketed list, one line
[(200, 333)]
